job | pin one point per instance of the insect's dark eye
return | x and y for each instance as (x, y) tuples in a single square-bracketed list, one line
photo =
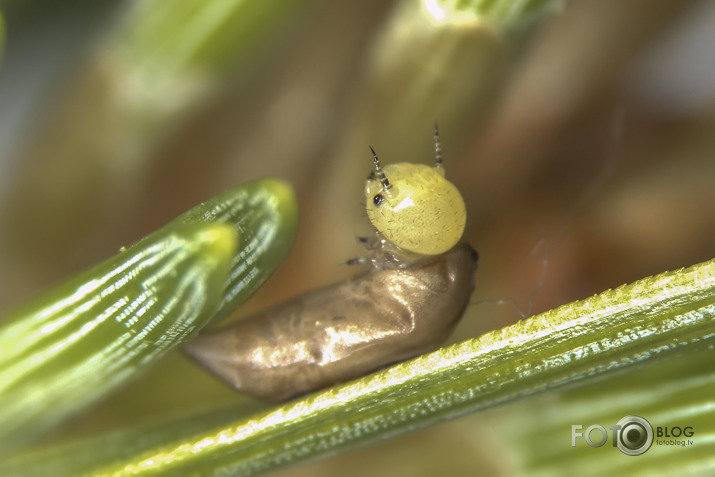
[(378, 200)]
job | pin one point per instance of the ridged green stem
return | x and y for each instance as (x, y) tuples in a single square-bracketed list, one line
[(657, 317), (72, 345)]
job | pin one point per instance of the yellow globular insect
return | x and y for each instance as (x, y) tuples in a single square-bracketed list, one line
[(415, 207)]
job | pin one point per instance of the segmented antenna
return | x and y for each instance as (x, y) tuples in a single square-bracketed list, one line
[(380, 173), (437, 147)]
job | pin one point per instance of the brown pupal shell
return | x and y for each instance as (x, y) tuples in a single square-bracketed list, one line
[(344, 330)]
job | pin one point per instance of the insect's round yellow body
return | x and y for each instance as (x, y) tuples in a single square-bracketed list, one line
[(421, 212)]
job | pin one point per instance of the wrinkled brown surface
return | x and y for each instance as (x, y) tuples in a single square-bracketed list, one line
[(343, 330)]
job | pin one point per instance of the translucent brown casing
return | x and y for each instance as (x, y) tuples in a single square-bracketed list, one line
[(343, 330)]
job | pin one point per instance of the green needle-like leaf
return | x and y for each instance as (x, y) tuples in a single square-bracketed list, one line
[(667, 392), (168, 57), (186, 35), (89, 334), (505, 12), (80, 457), (265, 215), (660, 316), (75, 343)]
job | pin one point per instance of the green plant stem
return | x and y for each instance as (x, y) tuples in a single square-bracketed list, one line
[(667, 392), (167, 58), (506, 12), (188, 35), (658, 316), (72, 345)]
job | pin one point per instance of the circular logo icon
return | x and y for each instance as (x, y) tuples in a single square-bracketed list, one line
[(635, 436)]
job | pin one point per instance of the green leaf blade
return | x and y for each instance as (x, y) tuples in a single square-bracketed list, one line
[(264, 213), (98, 329), (74, 344)]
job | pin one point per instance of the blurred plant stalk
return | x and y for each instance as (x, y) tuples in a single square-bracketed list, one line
[(433, 61), (158, 65), (166, 58)]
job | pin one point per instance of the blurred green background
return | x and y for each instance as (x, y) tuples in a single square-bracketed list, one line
[(579, 132)]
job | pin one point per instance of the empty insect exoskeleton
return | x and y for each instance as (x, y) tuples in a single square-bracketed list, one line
[(406, 302)]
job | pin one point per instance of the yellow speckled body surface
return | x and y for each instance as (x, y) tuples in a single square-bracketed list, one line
[(421, 211)]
